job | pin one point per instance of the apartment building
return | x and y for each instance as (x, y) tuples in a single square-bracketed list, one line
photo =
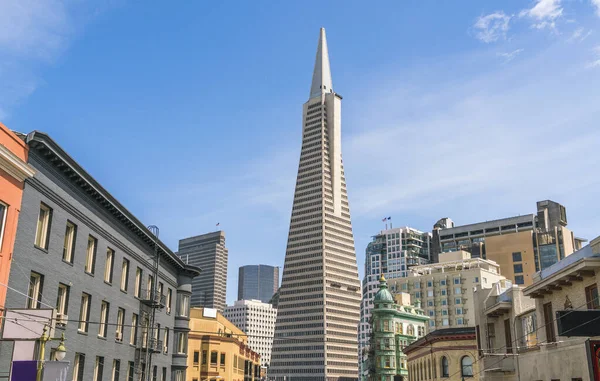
[(82, 254), (445, 289), (13, 172), (257, 320), (219, 350), (522, 245), (391, 253)]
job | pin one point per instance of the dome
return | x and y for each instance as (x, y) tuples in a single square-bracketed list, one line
[(383, 295)]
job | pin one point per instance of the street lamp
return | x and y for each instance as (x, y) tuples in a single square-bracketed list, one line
[(61, 350)]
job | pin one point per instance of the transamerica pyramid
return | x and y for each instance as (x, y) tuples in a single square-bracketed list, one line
[(319, 303)]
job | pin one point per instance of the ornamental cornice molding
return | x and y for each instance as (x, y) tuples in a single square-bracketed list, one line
[(14, 166)]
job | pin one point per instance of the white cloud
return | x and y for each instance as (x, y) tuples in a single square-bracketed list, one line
[(492, 27), (596, 4), (595, 63), (544, 13), (580, 34), (509, 56)]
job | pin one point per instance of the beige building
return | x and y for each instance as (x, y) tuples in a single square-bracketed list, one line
[(547, 331), (445, 290), (521, 245), (505, 325), (444, 355)]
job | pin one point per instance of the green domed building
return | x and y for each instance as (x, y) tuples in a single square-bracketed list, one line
[(395, 323)]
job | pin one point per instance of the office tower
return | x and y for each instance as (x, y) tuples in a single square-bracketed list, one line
[(319, 302), (445, 289), (521, 245), (208, 252), (391, 253), (82, 256), (258, 282), (257, 320)]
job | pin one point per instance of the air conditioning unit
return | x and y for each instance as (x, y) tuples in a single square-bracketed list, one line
[(165, 348), (119, 336), (62, 319)]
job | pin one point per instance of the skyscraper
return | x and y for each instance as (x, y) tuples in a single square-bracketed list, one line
[(319, 303), (258, 282), (209, 252)]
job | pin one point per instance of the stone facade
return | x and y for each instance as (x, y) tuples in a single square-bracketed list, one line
[(394, 326), (95, 254), (444, 355)]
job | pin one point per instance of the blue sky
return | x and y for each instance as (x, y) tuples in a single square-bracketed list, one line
[(191, 114)]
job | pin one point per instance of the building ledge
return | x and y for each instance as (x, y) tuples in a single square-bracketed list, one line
[(498, 309), (575, 272)]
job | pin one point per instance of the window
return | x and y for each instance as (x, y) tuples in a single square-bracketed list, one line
[(549, 323), (443, 292), (78, 367), (459, 311), (196, 357), (160, 290), (518, 268), (445, 372), (154, 372), (124, 274), (457, 301), (62, 303), (430, 303), (429, 283), (116, 369), (181, 342), (130, 371), (457, 291), (149, 287), (443, 282), (444, 302), (108, 266), (84, 312), (418, 294), (169, 297), (42, 232), (213, 358), (459, 321), (36, 284), (120, 323), (69, 245), (519, 279), (507, 336), (591, 297), (90, 258), (466, 366), (134, 330), (184, 305), (430, 293), (138, 282), (222, 363), (204, 357), (166, 340), (164, 374), (445, 312), (3, 209), (98, 368), (103, 319), (517, 257), (445, 322)]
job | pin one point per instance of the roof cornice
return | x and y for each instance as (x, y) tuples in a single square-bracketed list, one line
[(14, 166)]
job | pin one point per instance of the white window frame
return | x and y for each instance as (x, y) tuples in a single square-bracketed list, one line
[(120, 324), (104, 309), (108, 265), (457, 290), (166, 340), (77, 364), (184, 305), (43, 226), (134, 328), (97, 365), (138, 282), (84, 311), (181, 342), (3, 214), (114, 370), (62, 300), (124, 274), (69, 244), (169, 298), (34, 294), (90, 255)]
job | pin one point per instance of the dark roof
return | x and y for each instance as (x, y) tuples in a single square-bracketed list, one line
[(457, 333), (80, 178)]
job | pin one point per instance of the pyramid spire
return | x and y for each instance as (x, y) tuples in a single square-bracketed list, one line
[(321, 80)]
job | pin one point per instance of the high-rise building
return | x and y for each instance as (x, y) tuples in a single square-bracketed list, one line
[(521, 245), (258, 282), (391, 253), (209, 252), (445, 289), (257, 320), (319, 302)]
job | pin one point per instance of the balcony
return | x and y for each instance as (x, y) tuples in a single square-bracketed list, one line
[(153, 345), (153, 298), (494, 363)]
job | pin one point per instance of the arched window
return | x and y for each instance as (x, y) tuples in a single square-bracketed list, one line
[(444, 363), (428, 368), (466, 366)]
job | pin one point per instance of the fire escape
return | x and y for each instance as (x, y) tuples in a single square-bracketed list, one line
[(151, 300)]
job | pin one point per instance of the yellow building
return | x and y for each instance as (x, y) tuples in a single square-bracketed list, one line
[(444, 355), (219, 350)]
